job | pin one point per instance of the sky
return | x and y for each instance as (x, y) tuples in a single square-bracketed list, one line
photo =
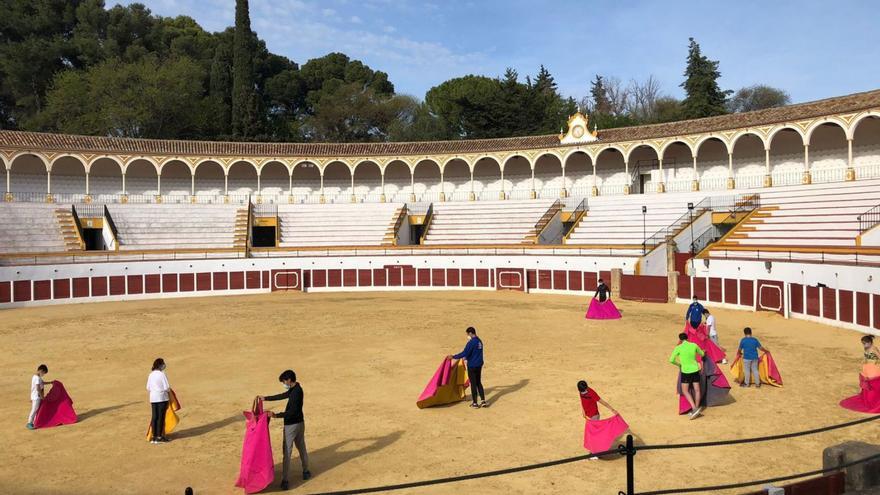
[(812, 49)]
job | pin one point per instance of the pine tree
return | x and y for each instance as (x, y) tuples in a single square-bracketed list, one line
[(244, 98), (599, 95), (704, 98)]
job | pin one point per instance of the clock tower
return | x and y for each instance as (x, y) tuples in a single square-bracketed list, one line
[(578, 130)]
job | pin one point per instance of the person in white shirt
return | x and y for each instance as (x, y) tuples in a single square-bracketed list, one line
[(37, 385), (158, 388), (713, 332)]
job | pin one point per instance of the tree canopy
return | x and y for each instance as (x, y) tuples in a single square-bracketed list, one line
[(75, 66)]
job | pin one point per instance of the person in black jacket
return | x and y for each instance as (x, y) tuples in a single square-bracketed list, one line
[(294, 425)]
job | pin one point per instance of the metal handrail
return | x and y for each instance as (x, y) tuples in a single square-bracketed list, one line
[(869, 219), (400, 219), (544, 221), (250, 226), (112, 225), (735, 204), (78, 224)]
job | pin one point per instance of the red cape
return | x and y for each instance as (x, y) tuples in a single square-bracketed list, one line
[(56, 408), (600, 435), (257, 469), (602, 310), (868, 398)]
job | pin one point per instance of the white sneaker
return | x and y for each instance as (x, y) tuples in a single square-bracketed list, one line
[(723, 361)]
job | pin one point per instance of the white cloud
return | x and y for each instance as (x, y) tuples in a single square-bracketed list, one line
[(355, 20), (328, 12)]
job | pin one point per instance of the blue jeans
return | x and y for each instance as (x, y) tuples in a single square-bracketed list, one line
[(750, 367)]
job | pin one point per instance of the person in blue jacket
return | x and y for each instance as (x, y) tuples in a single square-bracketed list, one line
[(694, 314), (473, 356)]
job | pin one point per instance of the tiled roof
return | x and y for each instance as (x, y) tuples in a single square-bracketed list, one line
[(93, 144)]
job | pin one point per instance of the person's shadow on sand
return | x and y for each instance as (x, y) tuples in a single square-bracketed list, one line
[(95, 412), (494, 393), (329, 457), (207, 428)]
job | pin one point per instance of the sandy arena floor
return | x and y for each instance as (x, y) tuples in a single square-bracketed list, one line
[(363, 359)]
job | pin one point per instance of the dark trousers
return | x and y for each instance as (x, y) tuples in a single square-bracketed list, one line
[(158, 420), (475, 376)]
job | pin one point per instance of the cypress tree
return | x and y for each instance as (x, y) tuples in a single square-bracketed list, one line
[(704, 98), (599, 94), (244, 98)]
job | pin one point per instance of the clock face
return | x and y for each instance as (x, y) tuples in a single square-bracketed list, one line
[(578, 131)]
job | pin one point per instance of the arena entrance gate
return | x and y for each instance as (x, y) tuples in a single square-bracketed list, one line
[(285, 280), (510, 279), (771, 296)]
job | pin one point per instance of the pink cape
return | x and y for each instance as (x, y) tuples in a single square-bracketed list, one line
[(868, 399), (600, 435), (446, 386), (602, 310), (56, 408), (257, 467), (713, 384), (700, 336)]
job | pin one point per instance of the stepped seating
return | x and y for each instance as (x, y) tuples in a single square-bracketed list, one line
[(486, 222), (341, 224), (807, 217), (36, 228), (174, 226), (618, 221)]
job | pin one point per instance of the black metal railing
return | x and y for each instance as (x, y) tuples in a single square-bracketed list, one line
[(112, 226), (78, 225), (869, 219), (546, 218), (426, 223)]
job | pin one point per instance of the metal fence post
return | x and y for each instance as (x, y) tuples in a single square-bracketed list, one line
[(629, 451)]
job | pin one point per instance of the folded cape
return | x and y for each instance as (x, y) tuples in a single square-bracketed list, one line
[(257, 468), (171, 418), (599, 435), (447, 385), (868, 398), (602, 310), (56, 408), (767, 371), (713, 384), (700, 335)]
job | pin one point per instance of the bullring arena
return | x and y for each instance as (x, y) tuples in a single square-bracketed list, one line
[(360, 265)]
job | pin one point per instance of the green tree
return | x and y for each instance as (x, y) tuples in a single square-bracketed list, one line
[(758, 97), (245, 119), (147, 98), (704, 98), (599, 97)]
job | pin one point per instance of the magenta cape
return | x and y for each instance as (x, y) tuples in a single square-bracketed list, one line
[(713, 384), (257, 467), (700, 336), (868, 398), (447, 385), (602, 310), (56, 408), (600, 435)]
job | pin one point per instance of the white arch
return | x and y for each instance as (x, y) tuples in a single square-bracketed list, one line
[(473, 165), (851, 132), (361, 162), (826, 120), (302, 162), (568, 154), (109, 157), (445, 163), (144, 158), (410, 166), (667, 144), (166, 162), (41, 156), (209, 160), (746, 132), (607, 147), (415, 166), (639, 145), (551, 153), (78, 158), (243, 160), (274, 160), (336, 160), (514, 155), (781, 127), (700, 142)]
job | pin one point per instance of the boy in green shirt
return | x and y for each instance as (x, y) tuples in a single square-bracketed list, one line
[(687, 352)]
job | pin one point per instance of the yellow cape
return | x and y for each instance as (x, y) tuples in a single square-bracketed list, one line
[(171, 418), (739, 375)]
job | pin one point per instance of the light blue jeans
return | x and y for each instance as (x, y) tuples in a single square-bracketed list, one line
[(750, 367)]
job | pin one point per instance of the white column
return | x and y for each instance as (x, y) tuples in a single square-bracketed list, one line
[(806, 157), (192, 184), (661, 186), (322, 183), (503, 188), (87, 183), (159, 184), (442, 191), (8, 181), (225, 184), (383, 183), (259, 184), (533, 178), (49, 182), (767, 159), (595, 182), (124, 191), (730, 164), (849, 159), (290, 183), (695, 168)]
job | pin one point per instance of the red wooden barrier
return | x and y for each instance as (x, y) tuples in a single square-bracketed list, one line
[(644, 288), (771, 296)]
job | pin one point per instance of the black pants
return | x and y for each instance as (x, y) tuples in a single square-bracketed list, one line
[(475, 376), (158, 420)]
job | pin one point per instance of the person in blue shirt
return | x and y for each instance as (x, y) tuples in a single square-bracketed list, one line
[(694, 314), (748, 351), (473, 356)]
